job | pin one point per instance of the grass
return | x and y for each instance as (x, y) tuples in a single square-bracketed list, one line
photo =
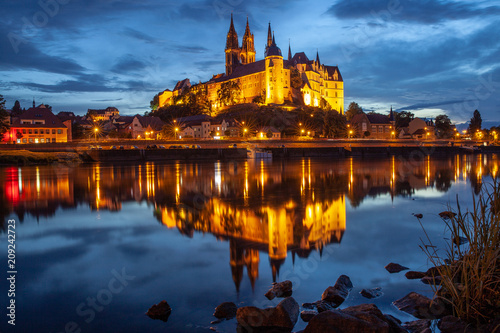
[(26, 157), (470, 272)]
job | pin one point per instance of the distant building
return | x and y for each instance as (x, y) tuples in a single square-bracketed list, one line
[(104, 114), (269, 132), (38, 125), (421, 129), (375, 126)]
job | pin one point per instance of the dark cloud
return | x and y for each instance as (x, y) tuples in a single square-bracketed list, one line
[(128, 63), (139, 35), (426, 11), (20, 53), (420, 106)]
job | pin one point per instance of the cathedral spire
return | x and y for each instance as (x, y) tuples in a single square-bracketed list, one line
[(317, 57), (269, 36), (232, 36), (247, 54), (289, 51)]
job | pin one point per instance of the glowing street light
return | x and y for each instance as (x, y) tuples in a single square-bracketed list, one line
[(176, 129), (393, 134), (350, 134), (95, 133)]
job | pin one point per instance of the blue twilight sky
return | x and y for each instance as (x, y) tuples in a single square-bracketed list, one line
[(428, 56)]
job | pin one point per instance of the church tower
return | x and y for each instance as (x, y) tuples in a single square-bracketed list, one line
[(247, 54), (232, 49), (274, 73)]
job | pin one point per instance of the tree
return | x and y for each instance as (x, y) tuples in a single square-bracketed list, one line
[(403, 119), (334, 125), (353, 110), (269, 134), (229, 93), (155, 102), (260, 99), (4, 117), (295, 79), (443, 126), (475, 123), (16, 109)]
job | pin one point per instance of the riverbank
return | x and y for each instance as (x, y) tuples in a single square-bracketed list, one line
[(26, 157), (77, 154)]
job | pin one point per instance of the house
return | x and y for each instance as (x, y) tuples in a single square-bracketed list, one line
[(38, 125), (269, 132), (103, 114), (373, 125), (146, 127)]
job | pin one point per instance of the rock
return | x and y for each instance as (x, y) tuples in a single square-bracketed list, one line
[(433, 280), (225, 310), (451, 324), (434, 271), (394, 324), (447, 215), (283, 317), (413, 275), (418, 326), (418, 216), (339, 292), (309, 306), (160, 311), (416, 305), (307, 315), (371, 293), (395, 268), (280, 289), (361, 318), (325, 306)]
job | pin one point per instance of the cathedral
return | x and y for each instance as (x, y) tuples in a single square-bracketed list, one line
[(272, 80)]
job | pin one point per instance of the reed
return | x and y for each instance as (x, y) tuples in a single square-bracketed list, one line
[(470, 273)]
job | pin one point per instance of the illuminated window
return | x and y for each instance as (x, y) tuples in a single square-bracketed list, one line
[(59, 131)]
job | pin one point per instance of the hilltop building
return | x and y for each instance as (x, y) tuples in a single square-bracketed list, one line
[(272, 80), (104, 114)]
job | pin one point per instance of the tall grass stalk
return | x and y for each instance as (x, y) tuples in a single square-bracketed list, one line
[(470, 273)]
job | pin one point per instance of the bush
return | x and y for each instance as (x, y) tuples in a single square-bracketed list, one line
[(470, 273)]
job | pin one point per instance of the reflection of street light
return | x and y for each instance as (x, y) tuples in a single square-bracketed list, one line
[(95, 133)]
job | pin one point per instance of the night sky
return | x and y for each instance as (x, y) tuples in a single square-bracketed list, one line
[(429, 57)]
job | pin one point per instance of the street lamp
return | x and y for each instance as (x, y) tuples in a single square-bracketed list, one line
[(393, 135), (350, 134), (176, 129), (95, 133)]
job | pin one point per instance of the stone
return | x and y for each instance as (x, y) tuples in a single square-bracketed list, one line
[(417, 326), (339, 292), (418, 216), (413, 275), (433, 280), (371, 293), (160, 311), (280, 289), (361, 318), (325, 305), (225, 310), (459, 240), (309, 306), (451, 324), (394, 324), (447, 215), (416, 305), (395, 268), (282, 317), (307, 315)]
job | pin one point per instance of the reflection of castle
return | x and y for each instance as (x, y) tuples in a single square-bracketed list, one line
[(275, 230)]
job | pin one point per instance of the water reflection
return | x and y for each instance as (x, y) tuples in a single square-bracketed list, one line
[(282, 208)]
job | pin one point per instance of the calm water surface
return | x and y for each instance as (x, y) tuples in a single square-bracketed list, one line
[(98, 244)]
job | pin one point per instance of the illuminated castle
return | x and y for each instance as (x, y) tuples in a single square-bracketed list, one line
[(273, 80)]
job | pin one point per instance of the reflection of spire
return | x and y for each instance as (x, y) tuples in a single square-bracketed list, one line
[(275, 267), (252, 261), (236, 261)]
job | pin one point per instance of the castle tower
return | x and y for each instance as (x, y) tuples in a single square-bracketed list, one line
[(274, 73), (247, 54), (232, 49)]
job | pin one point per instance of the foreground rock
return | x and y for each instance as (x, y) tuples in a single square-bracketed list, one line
[(282, 318), (339, 292), (307, 315), (361, 318), (395, 268), (280, 289), (160, 311), (372, 293), (226, 310), (418, 326), (413, 275), (422, 307), (432, 280)]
